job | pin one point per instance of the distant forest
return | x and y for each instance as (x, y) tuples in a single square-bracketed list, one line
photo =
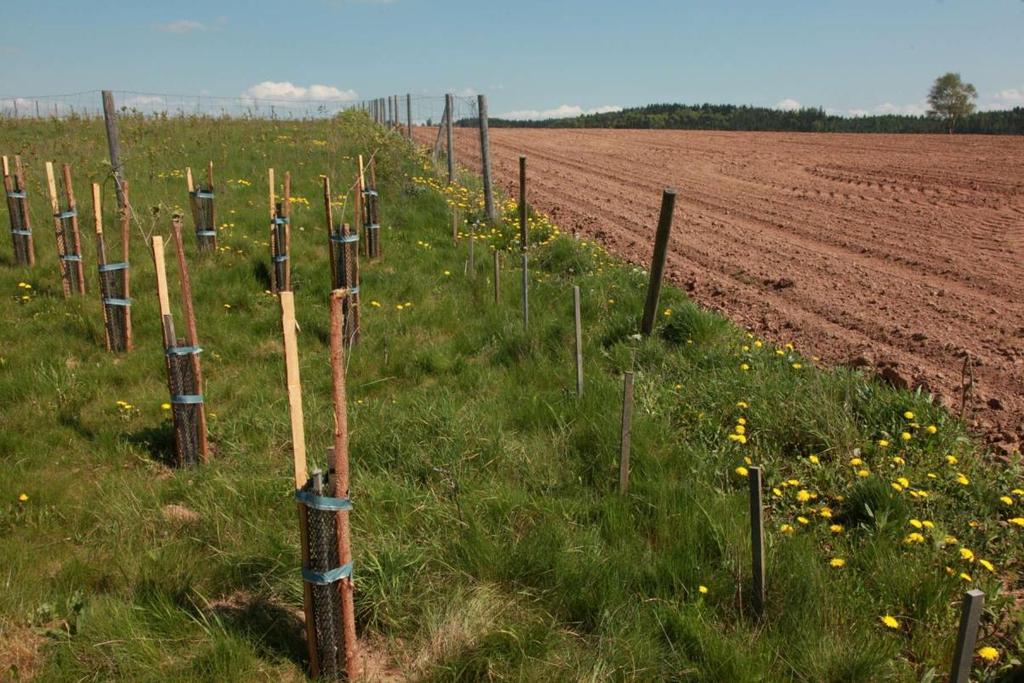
[(733, 117)]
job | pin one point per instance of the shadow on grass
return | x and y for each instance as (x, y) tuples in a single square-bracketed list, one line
[(271, 628), (261, 272), (157, 441)]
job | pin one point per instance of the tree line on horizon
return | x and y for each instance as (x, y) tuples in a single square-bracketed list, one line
[(731, 117)]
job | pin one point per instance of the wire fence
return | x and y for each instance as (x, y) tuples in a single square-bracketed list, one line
[(421, 109)]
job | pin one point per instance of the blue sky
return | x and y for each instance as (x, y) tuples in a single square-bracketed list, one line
[(529, 56)]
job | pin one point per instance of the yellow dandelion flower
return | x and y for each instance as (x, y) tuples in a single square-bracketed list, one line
[(951, 459), (744, 367), (889, 621), (988, 653), (914, 538), (916, 523), (909, 415), (863, 473), (882, 443), (1006, 500), (742, 404), (987, 565), (703, 590), (856, 462), (931, 429), (375, 304), (905, 436), (1019, 521), (803, 495), (23, 498), (786, 528), (803, 520), (165, 406), (966, 554), (837, 562), (836, 528), (962, 479), (742, 471), (813, 459)]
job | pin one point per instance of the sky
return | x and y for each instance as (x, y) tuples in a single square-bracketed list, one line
[(532, 58)]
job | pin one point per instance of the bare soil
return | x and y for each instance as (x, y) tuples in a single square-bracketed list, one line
[(901, 254)]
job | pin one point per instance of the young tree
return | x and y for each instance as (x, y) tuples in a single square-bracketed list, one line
[(951, 99)]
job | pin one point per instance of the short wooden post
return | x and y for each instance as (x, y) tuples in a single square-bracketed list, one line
[(756, 539), (668, 203), (485, 157), (523, 243), (126, 217), (967, 635), (497, 276), (113, 143), (449, 100), (408, 115), (626, 433), (579, 339)]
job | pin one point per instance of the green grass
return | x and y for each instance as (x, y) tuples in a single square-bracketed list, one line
[(489, 540)]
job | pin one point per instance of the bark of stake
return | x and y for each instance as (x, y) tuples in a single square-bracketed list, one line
[(668, 203), (113, 143), (756, 540), (626, 433), (967, 635), (193, 337), (450, 108), (341, 478), (440, 132), (126, 216), (485, 156), (76, 237), (579, 339), (59, 233), (294, 386)]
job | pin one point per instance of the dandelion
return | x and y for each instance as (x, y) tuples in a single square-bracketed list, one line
[(966, 554), (825, 513), (23, 498), (916, 523), (742, 404), (667, 312), (928, 525), (447, 272), (965, 577), (856, 462), (987, 565), (165, 406), (227, 305), (813, 459), (803, 520), (931, 429), (882, 443), (863, 473), (703, 590), (909, 415), (905, 436), (914, 538), (1006, 500), (738, 438), (951, 459), (962, 479), (1019, 521), (803, 495), (744, 367), (988, 653), (740, 429), (889, 621), (375, 304), (741, 421), (786, 528), (836, 528), (797, 366), (742, 471), (837, 562)]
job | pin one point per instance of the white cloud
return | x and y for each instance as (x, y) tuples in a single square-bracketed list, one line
[(285, 91), (788, 104), (1010, 96), (140, 102), (916, 109), (182, 26), (560, 112)]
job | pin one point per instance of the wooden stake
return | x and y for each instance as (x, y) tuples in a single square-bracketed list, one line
[(668, 204), (294, 386), (757, 539), (497, 277), (19, 174), (341, 477), (579, 339), (58, 230), (193, 337), (287, 210), (408, 115), (626, 433), (524, 243), (329, 215), (967, 635), (76, 238), (161, 281), (101, 260), (126, 216)]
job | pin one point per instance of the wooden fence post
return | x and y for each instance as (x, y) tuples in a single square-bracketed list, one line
[(485, 156), (757, 538), (967, 635), (626, 433), (579, 339), (668, 203), (113, 143), (524, 243), (449, 100), (408, 115)]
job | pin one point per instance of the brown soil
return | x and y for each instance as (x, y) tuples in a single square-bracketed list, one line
[(897, 253)]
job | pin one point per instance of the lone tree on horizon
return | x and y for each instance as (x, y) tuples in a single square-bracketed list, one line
[(951, 99)]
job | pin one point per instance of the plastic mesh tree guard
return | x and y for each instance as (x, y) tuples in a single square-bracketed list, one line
[(17, 206), (117, 308), (186, 403), (371, 226), (69, 251), (201, 200), (345, 275), (281, 277)]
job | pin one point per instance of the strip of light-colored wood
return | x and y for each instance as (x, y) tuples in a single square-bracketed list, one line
[(161, 275), (97, 209), (294, 386), (188, 179)]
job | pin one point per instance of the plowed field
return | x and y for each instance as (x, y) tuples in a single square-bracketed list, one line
[(901, 254)]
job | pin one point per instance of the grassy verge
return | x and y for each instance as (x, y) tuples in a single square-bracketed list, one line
[(489, 541)]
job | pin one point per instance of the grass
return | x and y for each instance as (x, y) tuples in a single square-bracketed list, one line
[(489, 541)]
